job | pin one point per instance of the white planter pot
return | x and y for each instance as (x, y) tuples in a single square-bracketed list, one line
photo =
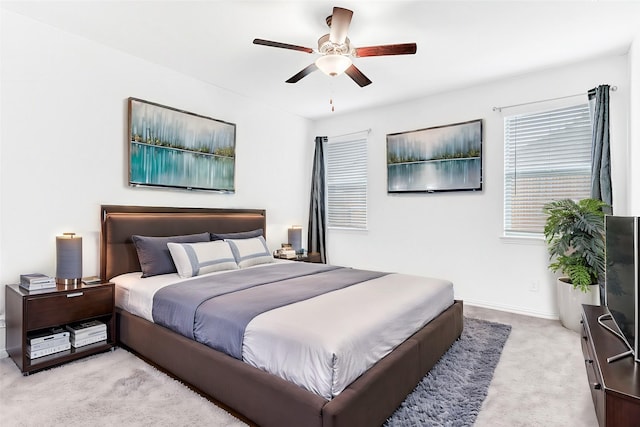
[(570, 302)]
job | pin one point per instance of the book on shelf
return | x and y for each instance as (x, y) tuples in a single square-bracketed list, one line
[(36, 281), (91, 280), (86, 329), (33, 278), (86, 340), (48, 344), (34, 354), (38, 286), (47, 335)]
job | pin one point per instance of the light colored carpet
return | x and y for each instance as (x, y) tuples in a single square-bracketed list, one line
[(540, 380), (109, 389)]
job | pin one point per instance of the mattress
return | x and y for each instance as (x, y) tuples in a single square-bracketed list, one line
[(323, 343)]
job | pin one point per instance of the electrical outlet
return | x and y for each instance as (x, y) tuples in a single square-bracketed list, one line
[(534, 286)]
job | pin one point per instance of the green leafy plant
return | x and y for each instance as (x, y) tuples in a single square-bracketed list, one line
[(574, 233)]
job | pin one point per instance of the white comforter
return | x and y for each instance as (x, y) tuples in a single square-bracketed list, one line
[(322, 344)]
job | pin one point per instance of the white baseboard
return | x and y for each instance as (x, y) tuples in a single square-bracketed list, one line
[(510, 309)]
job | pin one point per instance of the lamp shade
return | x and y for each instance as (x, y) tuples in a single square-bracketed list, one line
[(295, 237), (68, 259), (333, 64)]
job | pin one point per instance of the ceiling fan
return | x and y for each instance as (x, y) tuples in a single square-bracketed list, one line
[(336, 50)]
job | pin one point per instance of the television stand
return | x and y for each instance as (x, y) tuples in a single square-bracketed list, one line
[(619, 356), (611, 329), (615, 387)]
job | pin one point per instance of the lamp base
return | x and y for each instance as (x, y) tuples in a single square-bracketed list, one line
[(66, 282)]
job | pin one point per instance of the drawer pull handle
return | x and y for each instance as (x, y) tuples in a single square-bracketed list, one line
[(75, 294), (597, 386), (589, 361)]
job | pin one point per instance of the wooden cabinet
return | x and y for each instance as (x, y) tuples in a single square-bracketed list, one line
[(615, 386), (29, 313), (311, 257)]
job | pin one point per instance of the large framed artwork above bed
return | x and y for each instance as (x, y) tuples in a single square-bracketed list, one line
[(277, 342), (173, 148)]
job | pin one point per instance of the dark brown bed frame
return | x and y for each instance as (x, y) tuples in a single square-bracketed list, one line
[(262, 398)]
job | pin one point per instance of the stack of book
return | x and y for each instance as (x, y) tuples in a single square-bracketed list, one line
[(36, 281), (48, 342), (86, 333)]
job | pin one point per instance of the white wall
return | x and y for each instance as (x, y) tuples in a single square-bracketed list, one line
[(459, 235), (634, 127), (63, 148)]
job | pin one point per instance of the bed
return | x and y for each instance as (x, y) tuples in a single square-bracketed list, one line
[(263, 398)]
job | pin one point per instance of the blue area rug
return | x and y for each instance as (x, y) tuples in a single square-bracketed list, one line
[(452, 393)]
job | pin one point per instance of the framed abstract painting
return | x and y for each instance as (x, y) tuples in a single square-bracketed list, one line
[(178, 149), (442, 158)]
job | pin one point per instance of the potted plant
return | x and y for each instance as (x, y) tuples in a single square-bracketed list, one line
[(574, 233)]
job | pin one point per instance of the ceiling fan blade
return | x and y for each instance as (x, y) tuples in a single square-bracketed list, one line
[(310, 69), (340, 21), (390, 49), (282, 45), (357, 76)]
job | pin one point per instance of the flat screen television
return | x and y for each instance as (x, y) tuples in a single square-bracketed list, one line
[(621, 278)]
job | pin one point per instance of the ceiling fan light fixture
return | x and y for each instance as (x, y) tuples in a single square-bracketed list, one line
[(333, 64)]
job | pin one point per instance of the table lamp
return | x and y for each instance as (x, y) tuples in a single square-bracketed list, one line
[(295, 237), (68, 259)]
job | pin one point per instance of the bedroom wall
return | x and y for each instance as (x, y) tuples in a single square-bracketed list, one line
[(63, 146), (458, 235), (634, 127)]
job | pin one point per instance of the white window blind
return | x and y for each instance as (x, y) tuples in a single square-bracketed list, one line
[(347, 182), (547, 157)]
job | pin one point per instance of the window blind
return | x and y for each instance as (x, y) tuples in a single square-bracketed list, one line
[(347, 183), (547, 157)]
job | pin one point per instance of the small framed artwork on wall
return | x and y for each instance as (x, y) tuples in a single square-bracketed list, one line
[(175, 148), (442, 158)]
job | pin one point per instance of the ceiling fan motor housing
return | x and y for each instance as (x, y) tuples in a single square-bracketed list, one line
[(327, 47)]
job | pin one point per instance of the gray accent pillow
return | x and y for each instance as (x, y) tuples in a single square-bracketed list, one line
[(154, 255), (241, 235)]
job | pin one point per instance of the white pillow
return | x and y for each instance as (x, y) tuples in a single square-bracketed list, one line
[(193, 259), (250, 252)]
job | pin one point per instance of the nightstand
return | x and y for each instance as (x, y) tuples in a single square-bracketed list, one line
[(28, 313), (311, 257)]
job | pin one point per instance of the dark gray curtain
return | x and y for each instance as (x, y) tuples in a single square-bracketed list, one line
[(317, 232), (600, 155), (601, 158)]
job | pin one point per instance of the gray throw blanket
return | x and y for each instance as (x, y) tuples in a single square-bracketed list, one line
[(215, 310)]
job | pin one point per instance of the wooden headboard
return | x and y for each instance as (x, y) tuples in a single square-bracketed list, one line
[(119, 223)]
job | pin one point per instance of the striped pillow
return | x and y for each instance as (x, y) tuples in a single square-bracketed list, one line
[(250, 252), (194, 259)]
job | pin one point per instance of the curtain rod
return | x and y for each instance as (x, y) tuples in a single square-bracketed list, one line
[(612, 88), (368, 131)]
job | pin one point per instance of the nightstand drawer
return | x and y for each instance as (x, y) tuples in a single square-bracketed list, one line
[(68, 307)]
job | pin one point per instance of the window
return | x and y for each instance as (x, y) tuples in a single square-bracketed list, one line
[(347, 182), (547, 157)]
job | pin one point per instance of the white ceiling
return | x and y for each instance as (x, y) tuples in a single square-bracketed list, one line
[(459, 43)]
